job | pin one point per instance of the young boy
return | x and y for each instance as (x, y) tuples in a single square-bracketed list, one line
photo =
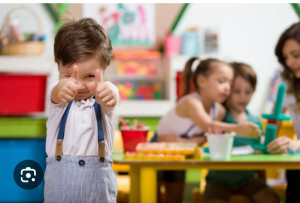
[(222, 184), (80, 133)]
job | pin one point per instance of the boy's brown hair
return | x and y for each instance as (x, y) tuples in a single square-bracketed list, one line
[(77, 40), (246, 72)]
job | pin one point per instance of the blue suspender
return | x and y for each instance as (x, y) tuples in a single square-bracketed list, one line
[(61, 132), (99, 121)]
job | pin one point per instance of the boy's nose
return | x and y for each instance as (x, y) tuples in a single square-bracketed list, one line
[(80, 84)]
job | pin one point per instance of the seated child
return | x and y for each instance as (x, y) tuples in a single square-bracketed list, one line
[(196, 112), (222, 184)]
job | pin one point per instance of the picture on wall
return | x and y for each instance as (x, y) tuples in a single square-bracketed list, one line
[(126, 24)]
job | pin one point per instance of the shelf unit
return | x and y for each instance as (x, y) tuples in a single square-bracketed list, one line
[(29, 64), (125, 108), (23, 137), (138, 108), (155, 108)]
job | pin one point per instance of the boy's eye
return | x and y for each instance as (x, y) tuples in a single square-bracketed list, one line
[(90, 76)]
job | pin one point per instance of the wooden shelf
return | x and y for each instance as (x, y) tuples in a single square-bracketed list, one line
[(143, 108), (27, 64)]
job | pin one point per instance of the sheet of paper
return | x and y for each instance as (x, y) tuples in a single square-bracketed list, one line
[(243, 150)]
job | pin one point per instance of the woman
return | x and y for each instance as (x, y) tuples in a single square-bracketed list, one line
[(288, 54)]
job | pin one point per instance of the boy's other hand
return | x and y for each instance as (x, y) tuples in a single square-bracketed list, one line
[(68, 87), (104, 94)]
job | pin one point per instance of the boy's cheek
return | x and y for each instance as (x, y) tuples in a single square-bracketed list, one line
[(93, 88)]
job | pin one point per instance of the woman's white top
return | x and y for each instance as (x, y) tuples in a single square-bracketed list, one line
[(81, 133), (173, 124)]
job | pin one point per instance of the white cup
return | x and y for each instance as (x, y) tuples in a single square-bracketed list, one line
[(220, 145)]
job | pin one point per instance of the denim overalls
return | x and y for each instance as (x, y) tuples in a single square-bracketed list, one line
[(80, 179)]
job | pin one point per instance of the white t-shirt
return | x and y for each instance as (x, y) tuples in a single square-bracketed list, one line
[(81, 133), (172, 124), (290, 102)]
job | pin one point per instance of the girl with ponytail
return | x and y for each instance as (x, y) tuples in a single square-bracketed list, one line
[(198, 112)]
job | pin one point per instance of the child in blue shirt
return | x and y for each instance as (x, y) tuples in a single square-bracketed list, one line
[(222, 184)]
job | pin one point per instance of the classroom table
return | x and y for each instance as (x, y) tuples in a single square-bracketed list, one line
[(143, 179)]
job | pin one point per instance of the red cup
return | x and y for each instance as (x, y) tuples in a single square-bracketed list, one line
[(132, 137)]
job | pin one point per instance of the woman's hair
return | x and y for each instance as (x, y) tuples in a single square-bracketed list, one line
[(246, 72), (205, 68), (77, 40), (293, 84)]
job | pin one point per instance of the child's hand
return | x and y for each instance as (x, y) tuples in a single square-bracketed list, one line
[(67, 88), (248, 130), (104, 94)]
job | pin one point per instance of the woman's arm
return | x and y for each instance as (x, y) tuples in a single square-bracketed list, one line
[(193, 109)]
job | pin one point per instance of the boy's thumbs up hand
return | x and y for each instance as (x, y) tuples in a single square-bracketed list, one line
[(104, 94), (68, 87), (74, 76)]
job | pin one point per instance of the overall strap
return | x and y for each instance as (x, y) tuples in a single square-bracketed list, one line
[(101, 144), (61, 132), (185, 134)]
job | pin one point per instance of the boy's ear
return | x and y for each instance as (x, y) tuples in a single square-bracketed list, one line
[(201, 80)]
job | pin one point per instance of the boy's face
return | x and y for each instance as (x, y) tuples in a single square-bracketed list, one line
[(86, 76), (240, 95)]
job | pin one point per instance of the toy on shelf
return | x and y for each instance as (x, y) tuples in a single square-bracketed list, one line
[(138, 64), (139, 91), (138, 75), (271, 128)]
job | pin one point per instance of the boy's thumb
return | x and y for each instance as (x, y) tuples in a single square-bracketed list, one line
[(98, 76), (75, 72)]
